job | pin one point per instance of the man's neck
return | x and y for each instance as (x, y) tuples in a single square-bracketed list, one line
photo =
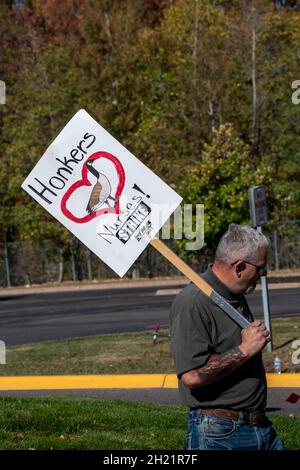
[(224, 276)]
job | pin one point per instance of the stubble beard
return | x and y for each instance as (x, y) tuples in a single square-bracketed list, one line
[(250, 289)]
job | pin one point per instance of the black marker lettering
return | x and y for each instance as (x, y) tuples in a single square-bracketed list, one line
[(109, 233), (79, 146), (87, 136), (60, 170), (67, 161), (74, 152), (41, 193), (58, 179)]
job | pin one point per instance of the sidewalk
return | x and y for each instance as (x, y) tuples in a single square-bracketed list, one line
[(276, 280)]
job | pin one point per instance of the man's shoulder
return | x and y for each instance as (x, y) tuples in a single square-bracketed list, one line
[(190, 291), (191, 309), (190, 297)]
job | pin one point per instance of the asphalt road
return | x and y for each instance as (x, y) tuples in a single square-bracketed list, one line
[(47, 316)]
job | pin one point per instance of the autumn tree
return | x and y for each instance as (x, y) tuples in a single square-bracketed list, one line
[(221, 180)]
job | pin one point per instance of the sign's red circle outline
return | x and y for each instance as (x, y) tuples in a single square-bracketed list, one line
[(85, 182)]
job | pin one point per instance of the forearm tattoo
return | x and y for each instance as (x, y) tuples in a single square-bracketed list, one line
[(220, 365)]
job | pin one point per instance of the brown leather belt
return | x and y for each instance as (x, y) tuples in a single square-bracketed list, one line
[(250, 418)]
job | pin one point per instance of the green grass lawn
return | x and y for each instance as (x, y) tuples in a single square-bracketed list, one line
[(126, 353), (72, 423), (85, 424), (105, 354)]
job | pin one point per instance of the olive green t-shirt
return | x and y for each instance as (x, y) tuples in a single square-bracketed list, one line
[(200, 328)]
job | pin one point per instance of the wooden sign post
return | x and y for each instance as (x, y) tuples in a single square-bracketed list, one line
[(199, 282)]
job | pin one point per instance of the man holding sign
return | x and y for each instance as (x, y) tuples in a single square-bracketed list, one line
[(219, 366), (115, 205)]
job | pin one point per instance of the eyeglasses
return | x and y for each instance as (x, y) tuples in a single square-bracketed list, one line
[(261, 270)]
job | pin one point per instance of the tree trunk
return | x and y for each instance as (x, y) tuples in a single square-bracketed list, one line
[(114, 82), (74, 270), (276, 254), (89, 264), (196, 64), (149, 263), (254, 86), (73, 260), (61, 266), (27, 279), (211, 107), (6, 261)]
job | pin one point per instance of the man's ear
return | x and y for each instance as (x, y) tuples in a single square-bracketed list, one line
[(240, 267)]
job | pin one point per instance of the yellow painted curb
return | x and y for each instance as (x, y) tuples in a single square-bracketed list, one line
[(63, 382), (171, 381), (283, 380), (168, 381)]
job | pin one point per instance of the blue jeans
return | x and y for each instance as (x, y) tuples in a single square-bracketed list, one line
[(214, 433)]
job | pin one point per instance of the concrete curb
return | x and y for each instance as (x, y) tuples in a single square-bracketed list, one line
[(128, 381), (180, 282), (92, 287)]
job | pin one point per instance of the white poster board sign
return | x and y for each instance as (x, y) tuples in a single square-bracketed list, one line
[(101, 192)]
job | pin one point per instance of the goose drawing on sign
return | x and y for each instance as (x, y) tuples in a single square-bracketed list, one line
[(101, 191)]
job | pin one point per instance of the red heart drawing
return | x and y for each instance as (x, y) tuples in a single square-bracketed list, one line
[(85, 182)]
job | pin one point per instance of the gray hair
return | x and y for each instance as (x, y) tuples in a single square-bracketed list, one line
[(240, 242)]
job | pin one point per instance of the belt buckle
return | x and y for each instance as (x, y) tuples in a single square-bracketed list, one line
[(255, 418)]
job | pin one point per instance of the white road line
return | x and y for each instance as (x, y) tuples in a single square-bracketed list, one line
[(167, 291)]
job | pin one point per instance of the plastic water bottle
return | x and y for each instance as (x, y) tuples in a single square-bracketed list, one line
[(277, 365)]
